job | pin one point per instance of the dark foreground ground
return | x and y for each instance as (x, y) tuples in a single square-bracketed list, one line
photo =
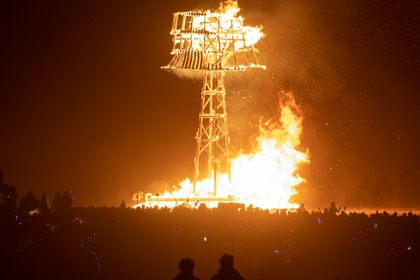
[(41, 240)]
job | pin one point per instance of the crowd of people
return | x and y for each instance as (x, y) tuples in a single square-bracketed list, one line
[(44, 239)]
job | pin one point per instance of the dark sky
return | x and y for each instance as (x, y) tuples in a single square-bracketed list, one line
[(85, 106)]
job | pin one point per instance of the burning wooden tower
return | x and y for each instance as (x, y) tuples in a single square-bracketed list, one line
[(213, 43)]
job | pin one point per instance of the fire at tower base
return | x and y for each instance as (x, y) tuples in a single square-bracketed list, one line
[(213, 43)]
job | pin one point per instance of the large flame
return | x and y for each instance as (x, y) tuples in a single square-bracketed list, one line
[(224, 21), (267, 176)]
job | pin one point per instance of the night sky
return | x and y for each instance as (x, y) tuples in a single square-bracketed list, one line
[(85, 106)]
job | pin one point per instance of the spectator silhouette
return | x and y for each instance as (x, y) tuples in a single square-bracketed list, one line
[(187, 270), (8, 195), (227, 270)]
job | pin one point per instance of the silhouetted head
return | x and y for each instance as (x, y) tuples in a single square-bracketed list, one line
[(186, 265), (226, 262)]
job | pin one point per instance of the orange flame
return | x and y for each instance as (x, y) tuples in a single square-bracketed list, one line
[(225, 20), (267, 176)]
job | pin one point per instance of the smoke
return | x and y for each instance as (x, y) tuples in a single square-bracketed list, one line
[(190, 74), (339, 60), (304, 55), (301, 49)]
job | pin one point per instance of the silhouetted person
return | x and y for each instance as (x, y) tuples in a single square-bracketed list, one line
[(8, 195), (8, 225), (302, 209), (333, 209), (28, 203), (187, 270), (227, 270)]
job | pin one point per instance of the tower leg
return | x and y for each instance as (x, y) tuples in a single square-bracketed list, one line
[(212, 153)]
